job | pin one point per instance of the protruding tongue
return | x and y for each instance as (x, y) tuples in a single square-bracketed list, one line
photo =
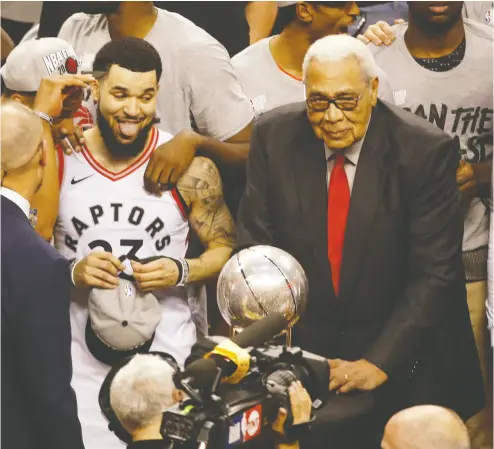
[(128, 129)]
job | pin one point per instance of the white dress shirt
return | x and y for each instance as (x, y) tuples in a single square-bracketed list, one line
[(17, 199), (351, 154)]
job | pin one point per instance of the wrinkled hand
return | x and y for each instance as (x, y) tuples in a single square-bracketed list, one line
[(169, 162), (98, 269), (69, 136), (379, 33), (54, 90), (155, 275), (359, 375), (301, 405)]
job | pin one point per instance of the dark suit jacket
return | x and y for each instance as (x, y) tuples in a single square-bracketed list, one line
[(402, 302), (39, 408)]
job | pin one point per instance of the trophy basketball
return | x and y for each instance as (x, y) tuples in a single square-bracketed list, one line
[(258, 281)]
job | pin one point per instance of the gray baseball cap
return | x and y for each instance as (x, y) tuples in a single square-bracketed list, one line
[(31, 61), (122, 322)]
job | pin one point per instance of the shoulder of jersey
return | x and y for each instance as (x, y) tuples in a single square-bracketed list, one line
[(186, 34), (243, 59), (81, 22), (163, 137), (250, 50), (399, 31), (479, 29)]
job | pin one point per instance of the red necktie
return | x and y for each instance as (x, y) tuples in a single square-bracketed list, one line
[(338, 206)]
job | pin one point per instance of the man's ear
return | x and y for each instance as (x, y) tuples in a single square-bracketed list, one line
[(305, 12), (374, 90), (177, 395), (95, 91), (16, 96)]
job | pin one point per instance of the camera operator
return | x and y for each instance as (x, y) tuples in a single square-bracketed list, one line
[(143, 389)]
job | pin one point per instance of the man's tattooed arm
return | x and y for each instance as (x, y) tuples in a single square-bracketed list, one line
[(209, 216)]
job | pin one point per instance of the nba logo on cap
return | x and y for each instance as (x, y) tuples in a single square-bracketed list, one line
[(71, 65), (128, 290)]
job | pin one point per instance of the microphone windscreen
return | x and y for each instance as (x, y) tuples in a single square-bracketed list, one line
[(261, 331), (202, 372), (200, 348)]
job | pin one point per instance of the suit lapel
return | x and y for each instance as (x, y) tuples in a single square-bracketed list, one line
[(310, 174), (367, 191)]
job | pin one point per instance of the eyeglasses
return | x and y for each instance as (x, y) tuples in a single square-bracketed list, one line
[(321, 104)]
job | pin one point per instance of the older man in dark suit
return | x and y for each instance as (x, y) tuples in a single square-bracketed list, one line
[(39, 408), (364, 195)]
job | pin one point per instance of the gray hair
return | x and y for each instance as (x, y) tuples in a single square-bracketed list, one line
[(21, 136), (338, 47), (142, 390)]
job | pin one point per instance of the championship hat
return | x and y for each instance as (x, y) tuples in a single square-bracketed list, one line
[(122, 322), (31, 61)]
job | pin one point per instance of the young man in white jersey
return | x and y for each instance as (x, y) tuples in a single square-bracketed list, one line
[(270, 71), (107, 219), (203, 104), (202, 92), (440, 68)]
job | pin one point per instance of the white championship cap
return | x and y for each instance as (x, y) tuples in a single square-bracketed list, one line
[(282, 4), (31, 61)]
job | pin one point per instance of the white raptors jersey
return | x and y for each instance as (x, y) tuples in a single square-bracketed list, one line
[(104, 211)]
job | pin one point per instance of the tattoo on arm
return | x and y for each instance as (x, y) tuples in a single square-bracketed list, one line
[(209, 215)]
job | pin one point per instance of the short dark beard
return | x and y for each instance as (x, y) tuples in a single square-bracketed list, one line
[(116, 148), (431, 29)]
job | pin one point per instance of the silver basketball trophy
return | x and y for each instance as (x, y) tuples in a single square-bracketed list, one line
[(258, 281)]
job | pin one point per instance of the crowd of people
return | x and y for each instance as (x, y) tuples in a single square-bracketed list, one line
[(141, 150)]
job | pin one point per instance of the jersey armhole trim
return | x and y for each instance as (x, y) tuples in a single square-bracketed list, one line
[(182, 205)]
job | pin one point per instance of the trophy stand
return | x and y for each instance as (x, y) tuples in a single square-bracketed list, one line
[(285, 335)]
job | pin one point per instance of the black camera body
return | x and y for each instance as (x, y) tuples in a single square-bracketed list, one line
[(233, 415)]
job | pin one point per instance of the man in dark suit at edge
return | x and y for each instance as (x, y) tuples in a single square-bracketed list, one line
[(39, 406), (364, 196)]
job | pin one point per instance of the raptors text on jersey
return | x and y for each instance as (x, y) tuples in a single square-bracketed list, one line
[(106, 211)]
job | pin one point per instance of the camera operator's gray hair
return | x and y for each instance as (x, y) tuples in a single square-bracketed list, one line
[(141, 390), (338, 47)]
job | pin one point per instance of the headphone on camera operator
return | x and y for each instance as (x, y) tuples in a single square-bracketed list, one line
[(104, 396)]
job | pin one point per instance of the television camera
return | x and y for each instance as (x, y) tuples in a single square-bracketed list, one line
[(235, 391)]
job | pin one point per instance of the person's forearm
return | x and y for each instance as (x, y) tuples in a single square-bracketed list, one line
[(208, 265), (224, 152), (46, 200), (260, 16), (7, 44)]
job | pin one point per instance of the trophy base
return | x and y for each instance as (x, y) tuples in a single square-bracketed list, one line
[(284, 339)]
